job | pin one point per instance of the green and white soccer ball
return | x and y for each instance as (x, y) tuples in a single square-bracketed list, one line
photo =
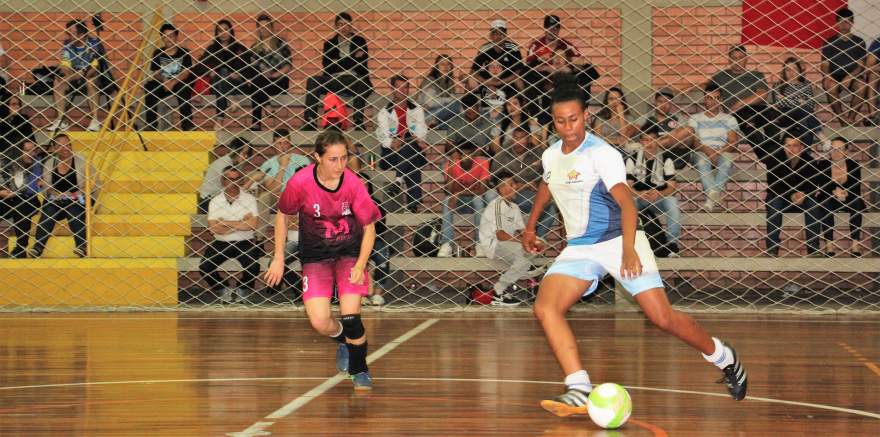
[(609, 405)]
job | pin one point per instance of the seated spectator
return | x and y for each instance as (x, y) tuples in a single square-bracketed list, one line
[(512, 118), (793, 181), (501, 226), (613, 122), (63, 181), (843, 66), (232, 219), (401, 129), (270, 64), (494, 93), (843, 189), (78, 68), (873, 80), (744, 94), (651, 175), (107, 87), (714, 143), (18, 195), (170, 75), (795, 103), (522, 158), (15, 128), (223, 63), (667, 125), (380, 258), (438, 93), (5, 62), (539, 63), (472, 125), (467, 182), (346, 72), (502, 50), (239, 152)]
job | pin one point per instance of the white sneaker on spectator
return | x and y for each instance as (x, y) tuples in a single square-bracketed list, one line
[(226, 296), (716, 198), (94, 125), (377, 300), (445, 250), (58, 125), (709, 204), (365, 301), (672, 255), (480, 251)]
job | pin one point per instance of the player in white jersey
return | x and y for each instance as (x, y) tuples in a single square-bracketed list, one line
[(586, 177)]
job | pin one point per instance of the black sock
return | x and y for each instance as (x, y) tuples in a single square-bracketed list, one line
[(357, 358)]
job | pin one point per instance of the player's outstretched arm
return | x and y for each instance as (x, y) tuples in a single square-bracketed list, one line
[(276, 268), (542, 198), (631, 266)]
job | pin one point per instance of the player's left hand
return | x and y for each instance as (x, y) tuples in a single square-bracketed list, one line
[(357, 275), (631, 266)]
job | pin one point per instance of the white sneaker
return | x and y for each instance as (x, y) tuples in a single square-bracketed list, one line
[(445, 250), (377, 300), (226, 296), (95, 125), (672, 255), (365, 301), (58, 125), (716, 197), (709, 204), (480, 251)]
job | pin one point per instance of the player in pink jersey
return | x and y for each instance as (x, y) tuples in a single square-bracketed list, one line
[(337, 231)]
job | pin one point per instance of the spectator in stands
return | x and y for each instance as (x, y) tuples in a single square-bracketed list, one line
[(223, 63), (401, 130), (18, 195), (795, 102), (15, 128), (239, 152), (63, 180), (873, 82), (539, 62), (278, 169), (232, 219), (78, 68), (744, 94), (651, 175), (512, 118), (345, 60), (106, 83), (5, 62), (170, 75), (522, 158), (381, 257), (500, 228), (843, 66), (438, 93), (467, 182), (843, 189), (501, 49), (715, 137), (493, 93), (270, 63), (614, 123), (472, 125), (793, 185), (667, 125)]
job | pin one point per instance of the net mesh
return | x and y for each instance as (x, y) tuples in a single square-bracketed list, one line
[(707, 100)]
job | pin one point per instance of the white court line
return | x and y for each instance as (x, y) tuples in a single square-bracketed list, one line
[(469, 380), (322, 388), (791, 318)]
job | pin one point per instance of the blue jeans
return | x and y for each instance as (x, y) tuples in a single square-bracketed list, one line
[(443, 113), (667, 206), (526, 201), (710, 181), (381, 258), (473, 203), (407, 163), (813, 211)]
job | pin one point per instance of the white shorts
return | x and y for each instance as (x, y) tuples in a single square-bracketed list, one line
[(591, 262)]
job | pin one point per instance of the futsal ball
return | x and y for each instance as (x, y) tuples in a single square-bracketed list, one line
[(609, 405)]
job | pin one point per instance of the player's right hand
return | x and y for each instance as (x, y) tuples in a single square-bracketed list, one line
[(530, 242), (275, 272)]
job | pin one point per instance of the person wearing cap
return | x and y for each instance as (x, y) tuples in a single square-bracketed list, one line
[(664, 122), (499, 48)]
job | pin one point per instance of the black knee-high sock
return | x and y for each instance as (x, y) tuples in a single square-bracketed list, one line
[(357, 358)]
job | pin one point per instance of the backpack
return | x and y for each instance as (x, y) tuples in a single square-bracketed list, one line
[(426, 239)]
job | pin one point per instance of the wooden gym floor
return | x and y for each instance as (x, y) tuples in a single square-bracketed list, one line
[(476, 374)]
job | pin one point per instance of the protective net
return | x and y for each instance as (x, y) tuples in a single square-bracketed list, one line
[(145, 146)]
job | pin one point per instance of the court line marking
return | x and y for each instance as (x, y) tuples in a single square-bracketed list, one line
[(860, 358), (322, 388), (471, 380)]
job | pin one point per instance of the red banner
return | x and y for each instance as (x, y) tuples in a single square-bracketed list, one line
[(789, 23)]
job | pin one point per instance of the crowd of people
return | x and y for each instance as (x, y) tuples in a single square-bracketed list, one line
[(497, 123)]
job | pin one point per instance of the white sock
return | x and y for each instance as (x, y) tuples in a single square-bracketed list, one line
[(722, 357), (579, 380)]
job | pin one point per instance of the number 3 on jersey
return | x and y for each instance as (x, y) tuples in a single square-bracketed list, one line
[(317, 210)]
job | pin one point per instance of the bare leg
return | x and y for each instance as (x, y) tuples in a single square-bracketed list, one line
[(656, 306), (318, 310), (556, 295)]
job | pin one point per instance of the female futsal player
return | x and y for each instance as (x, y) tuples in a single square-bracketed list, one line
[(586, 178), (337, 231)]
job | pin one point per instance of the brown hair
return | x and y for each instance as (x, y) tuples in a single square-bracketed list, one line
[(330, 137)]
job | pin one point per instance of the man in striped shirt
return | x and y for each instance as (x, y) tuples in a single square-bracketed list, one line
[(501, 226)]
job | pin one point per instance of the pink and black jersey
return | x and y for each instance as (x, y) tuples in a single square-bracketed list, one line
[(331, 222)]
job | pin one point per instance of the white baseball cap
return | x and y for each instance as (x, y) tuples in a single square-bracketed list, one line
[(498, 24)]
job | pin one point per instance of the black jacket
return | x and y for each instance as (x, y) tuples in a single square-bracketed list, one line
[(334, 63), (784, 176)]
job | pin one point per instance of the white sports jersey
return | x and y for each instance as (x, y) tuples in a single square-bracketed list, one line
[(579, 183)]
